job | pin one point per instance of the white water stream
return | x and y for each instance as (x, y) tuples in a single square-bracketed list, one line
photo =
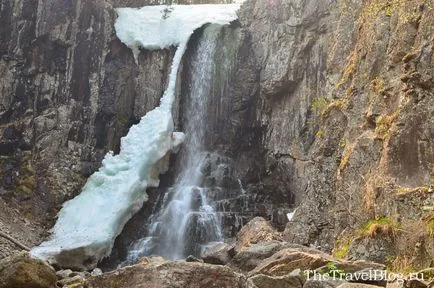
[(88, 224)]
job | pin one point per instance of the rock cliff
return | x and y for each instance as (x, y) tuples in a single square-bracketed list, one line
[(330, 109), (346, 95)]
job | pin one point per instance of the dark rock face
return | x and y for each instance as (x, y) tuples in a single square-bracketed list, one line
[(344, 121), (62, 106)]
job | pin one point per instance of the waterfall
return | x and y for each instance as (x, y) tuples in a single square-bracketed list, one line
[(186, 221), (88, 224)]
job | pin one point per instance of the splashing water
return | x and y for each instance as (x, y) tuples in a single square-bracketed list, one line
[(187, 222)]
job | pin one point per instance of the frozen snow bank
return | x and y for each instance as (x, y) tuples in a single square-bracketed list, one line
[(155, 27), (88, 224)]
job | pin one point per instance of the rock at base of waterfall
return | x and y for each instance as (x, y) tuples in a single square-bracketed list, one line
[(21, 270), (291, 280), (191, 258), (250, 257), (256, 231), (287, 260), (170, 274), (219, 254)]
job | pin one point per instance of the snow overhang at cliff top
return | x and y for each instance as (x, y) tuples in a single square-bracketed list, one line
[(156, 27)]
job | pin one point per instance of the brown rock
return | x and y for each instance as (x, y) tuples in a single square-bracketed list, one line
[(23, 271), (76, 280), (287, 260), (293, 280), (256, 231), (358, 265), (415, 283), (170, 274), (250, 257), (219, 254)]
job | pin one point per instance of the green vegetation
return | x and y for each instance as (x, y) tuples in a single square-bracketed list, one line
[(346, 155), (342, 248), (26, 186), (387, 7), (319, 105), (332, 270), (320, 134), (430, 227), (385, 226), (383, 125)]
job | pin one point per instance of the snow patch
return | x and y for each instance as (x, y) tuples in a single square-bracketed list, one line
[(291, 215), (156, 27)]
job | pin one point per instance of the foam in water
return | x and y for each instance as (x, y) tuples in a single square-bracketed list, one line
[(88, 224)]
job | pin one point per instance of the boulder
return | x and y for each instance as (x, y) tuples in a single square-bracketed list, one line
[(370, 276), (96, 272), (192, 258), (175, 274), (415, 283), (23, 271), (256, 231), (359, 265), (376, 249), (292, 280), (219, 254), (251, 256), (62, 274), (289, 259), (75, 281)]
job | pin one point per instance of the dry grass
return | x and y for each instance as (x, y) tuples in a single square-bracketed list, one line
[(401, 264), (350, 69), (383, 226), (346, 155), (378, 85), (383, 125)]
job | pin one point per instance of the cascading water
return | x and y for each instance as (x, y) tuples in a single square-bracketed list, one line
[(186, 222), (88, 224)]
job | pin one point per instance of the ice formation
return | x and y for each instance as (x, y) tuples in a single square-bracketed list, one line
[(88, 224), (156, 27), (290, 215)]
